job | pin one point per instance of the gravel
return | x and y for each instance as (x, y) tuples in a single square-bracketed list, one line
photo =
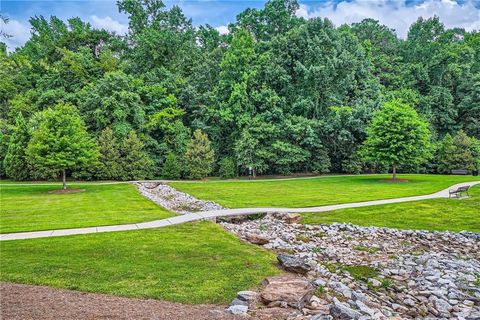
[(414, 274)]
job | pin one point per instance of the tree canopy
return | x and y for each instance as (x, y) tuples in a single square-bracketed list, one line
[(278, 93)]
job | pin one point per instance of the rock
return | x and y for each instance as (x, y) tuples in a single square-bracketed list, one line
[(375, 283), (341, 288), (257, 238), (247, 295), (363, 308), (443, 306), (237, 309), (340, 311), (289, 217), (293, 263), (288, 289), (321, 317), (238, 302), (320, 282)]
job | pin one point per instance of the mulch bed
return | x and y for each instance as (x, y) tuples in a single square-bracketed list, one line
[(18, 301), (62, 191)]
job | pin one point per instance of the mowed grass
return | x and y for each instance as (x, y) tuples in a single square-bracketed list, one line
[(190, 263), (295, 193), (33, 208), (435, 214)]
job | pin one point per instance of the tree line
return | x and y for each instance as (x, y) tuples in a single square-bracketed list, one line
[(278, 94)]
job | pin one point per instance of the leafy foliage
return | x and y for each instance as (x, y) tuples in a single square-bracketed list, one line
[(61, 141), (171, 168), (199, 156), (278, 94), (397, 136)]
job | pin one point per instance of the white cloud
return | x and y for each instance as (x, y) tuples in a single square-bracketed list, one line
[(396, 14), (109, 24), (222, 29), (19, 32)]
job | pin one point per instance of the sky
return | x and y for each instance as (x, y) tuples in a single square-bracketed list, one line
[(396, 14)]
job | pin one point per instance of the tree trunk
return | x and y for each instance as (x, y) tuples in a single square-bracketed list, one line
[(394, 178), (64, 178)]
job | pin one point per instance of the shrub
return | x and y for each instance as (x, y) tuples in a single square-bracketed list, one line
[(199, 156), (171, 167), (227, 168)]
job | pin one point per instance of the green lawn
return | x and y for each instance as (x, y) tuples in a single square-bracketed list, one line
[(315, 191), (435, 214), (190, 263), (32, 208)]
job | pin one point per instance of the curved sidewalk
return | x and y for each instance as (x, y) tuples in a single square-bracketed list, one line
[(220, 213)]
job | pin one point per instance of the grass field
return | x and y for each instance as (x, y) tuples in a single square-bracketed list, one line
[(33, 208), (434, 214), (190, 263), (315, 191)]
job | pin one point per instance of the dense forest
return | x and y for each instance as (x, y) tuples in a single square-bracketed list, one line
[(278, 93)]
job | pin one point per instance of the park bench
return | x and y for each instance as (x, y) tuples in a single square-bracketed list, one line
[(460, 171), (458, 191)]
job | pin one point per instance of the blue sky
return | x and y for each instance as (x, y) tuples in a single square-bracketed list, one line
[(397, 14)]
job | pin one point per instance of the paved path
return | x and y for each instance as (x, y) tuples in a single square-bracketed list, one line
[(219, 213)]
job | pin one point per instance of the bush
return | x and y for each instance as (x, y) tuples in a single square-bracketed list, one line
[(171, 167), (227, 168), (199, 156)]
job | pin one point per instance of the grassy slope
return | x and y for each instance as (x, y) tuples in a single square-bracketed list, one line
[(435, 214), (191, 263), (32, 208), (315, 191)]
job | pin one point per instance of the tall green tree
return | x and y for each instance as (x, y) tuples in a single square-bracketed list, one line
[(396, 136), (61, 142), (110, 165), (199, 157), (15, 163), (136, 163)]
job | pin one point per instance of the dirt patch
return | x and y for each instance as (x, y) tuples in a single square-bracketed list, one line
[(64, 191), (20, 301), (395, 181)]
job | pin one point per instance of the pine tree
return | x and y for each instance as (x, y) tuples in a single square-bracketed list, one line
[(136, 163), (15, 162), (61, 142), (199, 156), (171, 167), (110, 165)]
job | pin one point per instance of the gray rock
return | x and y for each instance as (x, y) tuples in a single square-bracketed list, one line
[(238, 302), (340, 311), (247, 295), (443, 306), (321, 317), (341, 288), (238, 309), (293, 263)]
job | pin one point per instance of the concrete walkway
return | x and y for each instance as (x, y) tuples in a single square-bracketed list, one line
[(219, 213)]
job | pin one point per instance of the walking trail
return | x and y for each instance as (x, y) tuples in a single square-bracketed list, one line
[(220, 213)]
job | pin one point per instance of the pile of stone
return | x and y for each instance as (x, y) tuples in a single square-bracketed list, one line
[(174, 200), (403, 273)]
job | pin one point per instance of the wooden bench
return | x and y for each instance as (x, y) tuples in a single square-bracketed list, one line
[(460, 171), (458, 191)]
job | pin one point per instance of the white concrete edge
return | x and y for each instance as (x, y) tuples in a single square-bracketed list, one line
[(220, 213)]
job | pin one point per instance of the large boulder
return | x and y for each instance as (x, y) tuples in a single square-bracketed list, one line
[(256, 238), (293, 263), (287, 290)]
